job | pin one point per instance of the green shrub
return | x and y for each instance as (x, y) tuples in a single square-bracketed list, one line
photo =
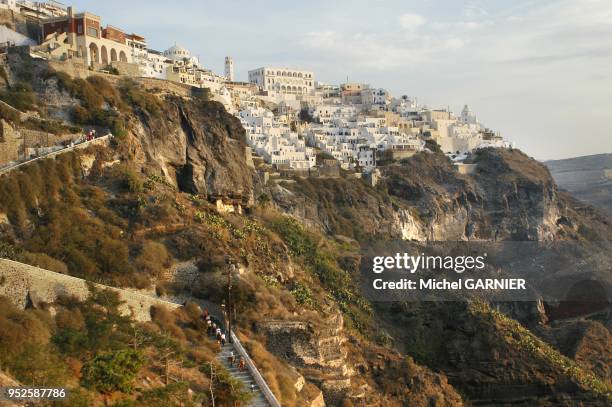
[(227, 388), (153, 258), (433, 146), (44, 261), (87, 93), (94, 325), (25, 348), (303, 295), (94, 93), (112, 371)]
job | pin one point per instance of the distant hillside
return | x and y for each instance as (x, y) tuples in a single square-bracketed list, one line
[(588, 178)]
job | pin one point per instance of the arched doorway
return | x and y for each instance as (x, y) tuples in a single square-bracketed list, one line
[(104, 54), (122, 57), (113, 54), (94, 55)]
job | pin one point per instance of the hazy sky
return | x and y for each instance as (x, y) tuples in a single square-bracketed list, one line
[(538, 71)]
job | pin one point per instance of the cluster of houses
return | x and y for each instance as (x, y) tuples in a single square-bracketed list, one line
[(289, 117), (354, 123)]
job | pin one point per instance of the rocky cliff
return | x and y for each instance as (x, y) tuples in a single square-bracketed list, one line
[(510, 197), (131, 212), (195, 145)]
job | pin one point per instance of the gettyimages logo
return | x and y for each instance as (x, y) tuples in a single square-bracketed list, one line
[(413, 264), (497, 271)]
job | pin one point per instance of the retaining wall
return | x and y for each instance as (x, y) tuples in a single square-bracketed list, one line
[(99, 141), (22, 284)]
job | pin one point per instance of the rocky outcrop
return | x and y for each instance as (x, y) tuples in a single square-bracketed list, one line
[(349, 370), (424, 198), (317, 351), (197, 146)]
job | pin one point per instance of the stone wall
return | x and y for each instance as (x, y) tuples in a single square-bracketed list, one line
[(37, 138), (24, 285), (74, 67), (101, 141), (11, 143), (126, 68)]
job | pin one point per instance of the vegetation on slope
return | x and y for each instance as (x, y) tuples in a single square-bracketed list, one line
[(60, 219), (512, 332), (89, 347)]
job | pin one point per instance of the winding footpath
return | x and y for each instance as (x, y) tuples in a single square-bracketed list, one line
[(24, 284), (84, 144)]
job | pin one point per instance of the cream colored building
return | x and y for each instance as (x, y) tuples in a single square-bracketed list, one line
[(87, 39), (283, 80)]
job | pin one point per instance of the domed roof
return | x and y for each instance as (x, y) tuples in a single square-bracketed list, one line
[(177, 52)]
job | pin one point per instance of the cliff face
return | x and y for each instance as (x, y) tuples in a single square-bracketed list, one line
[(494, 360), (197, 146), (355, 371), (510, 197)]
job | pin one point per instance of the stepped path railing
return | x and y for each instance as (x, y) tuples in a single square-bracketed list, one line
[(84, 144), (217, 313), (23, 284)]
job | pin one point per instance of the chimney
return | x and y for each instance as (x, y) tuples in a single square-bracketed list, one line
[(70, 12)]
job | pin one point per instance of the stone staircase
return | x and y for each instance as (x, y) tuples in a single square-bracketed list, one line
[(245, 376), (21, 282)]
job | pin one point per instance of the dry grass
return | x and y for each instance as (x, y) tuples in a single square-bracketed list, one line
[(280, 377)]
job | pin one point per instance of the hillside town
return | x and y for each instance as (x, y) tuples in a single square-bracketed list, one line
[(289, 116)]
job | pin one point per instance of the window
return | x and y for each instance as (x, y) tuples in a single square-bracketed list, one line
[(92, 32), (80, 28)]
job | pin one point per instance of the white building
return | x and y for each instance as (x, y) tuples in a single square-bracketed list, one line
[(8, 4), (283, 80), (154, 65), (87, 38), (180, 54), (468, 117), (274, 141), (229, 69), (375, 98)]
